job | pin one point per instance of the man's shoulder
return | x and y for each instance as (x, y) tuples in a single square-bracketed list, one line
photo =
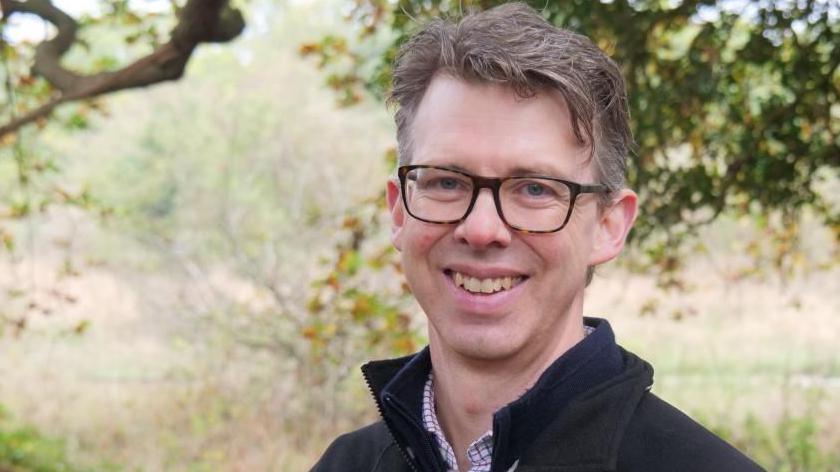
[(661, 437), (367, 449)]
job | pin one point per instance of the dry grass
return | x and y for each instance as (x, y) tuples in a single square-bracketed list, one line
[(750, 348), (154, 389)]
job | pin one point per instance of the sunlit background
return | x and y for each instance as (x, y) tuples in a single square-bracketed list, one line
[(192, 273)]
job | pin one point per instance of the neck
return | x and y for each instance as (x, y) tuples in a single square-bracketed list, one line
[(469, 391)]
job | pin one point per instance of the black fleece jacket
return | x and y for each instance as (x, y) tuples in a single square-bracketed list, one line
[(591, 410)]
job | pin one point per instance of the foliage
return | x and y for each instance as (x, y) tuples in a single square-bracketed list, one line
[(23, 449), (734, 105), (791, 444), (233, 358), (56, 83), (347, 305), (237, 201)]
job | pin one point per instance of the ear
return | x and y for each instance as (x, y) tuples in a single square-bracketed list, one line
[(614, 223), (395, 206)]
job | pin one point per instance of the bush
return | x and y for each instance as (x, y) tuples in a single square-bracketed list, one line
[(25, 449)]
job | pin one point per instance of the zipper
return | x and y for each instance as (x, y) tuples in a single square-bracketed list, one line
[(390, 427), (427, 444)]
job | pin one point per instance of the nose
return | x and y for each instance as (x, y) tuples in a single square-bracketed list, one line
[(484, 227)]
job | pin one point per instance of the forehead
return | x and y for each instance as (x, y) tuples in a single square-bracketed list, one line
[(487, 129)]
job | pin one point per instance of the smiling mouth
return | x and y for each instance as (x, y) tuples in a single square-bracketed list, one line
[(484, 286)]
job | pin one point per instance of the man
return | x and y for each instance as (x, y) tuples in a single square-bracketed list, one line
[(512, 141)]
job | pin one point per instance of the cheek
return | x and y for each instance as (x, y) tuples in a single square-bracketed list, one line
[(563, 256), (579, 233), (420, 239)]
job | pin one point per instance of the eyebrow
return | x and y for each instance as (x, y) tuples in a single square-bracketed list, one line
[(518, 171), (539, 170)]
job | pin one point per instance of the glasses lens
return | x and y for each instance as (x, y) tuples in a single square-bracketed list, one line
[(535, 204), (437, 195)]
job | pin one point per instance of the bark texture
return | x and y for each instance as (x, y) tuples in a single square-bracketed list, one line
[(199, 21)]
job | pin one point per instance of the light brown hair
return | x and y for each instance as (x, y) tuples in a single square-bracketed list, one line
[(514, 46)]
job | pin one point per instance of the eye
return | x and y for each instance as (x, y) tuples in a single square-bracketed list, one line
[(447, 183), (535, 189)]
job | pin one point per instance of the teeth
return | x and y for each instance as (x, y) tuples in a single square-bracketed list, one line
[(475, 285)]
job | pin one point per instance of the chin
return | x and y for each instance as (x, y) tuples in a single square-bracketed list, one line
[(489, 346)]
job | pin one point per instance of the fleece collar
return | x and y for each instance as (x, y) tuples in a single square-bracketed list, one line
[(548, 414)]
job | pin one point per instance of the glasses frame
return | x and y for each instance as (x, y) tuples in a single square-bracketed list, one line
[(495, 184)]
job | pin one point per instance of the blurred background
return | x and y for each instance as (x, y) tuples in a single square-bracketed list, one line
[(194, 257)]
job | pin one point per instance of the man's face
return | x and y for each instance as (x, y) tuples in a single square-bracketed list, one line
[(487, 130)]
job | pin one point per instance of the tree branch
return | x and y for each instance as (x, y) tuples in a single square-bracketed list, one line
[(48, 53), (41, 112), (199, 21)]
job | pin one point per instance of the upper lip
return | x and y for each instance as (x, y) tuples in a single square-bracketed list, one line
[(485, 272)]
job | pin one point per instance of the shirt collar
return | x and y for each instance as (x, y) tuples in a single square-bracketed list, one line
[(480, 451), (400, 383)]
